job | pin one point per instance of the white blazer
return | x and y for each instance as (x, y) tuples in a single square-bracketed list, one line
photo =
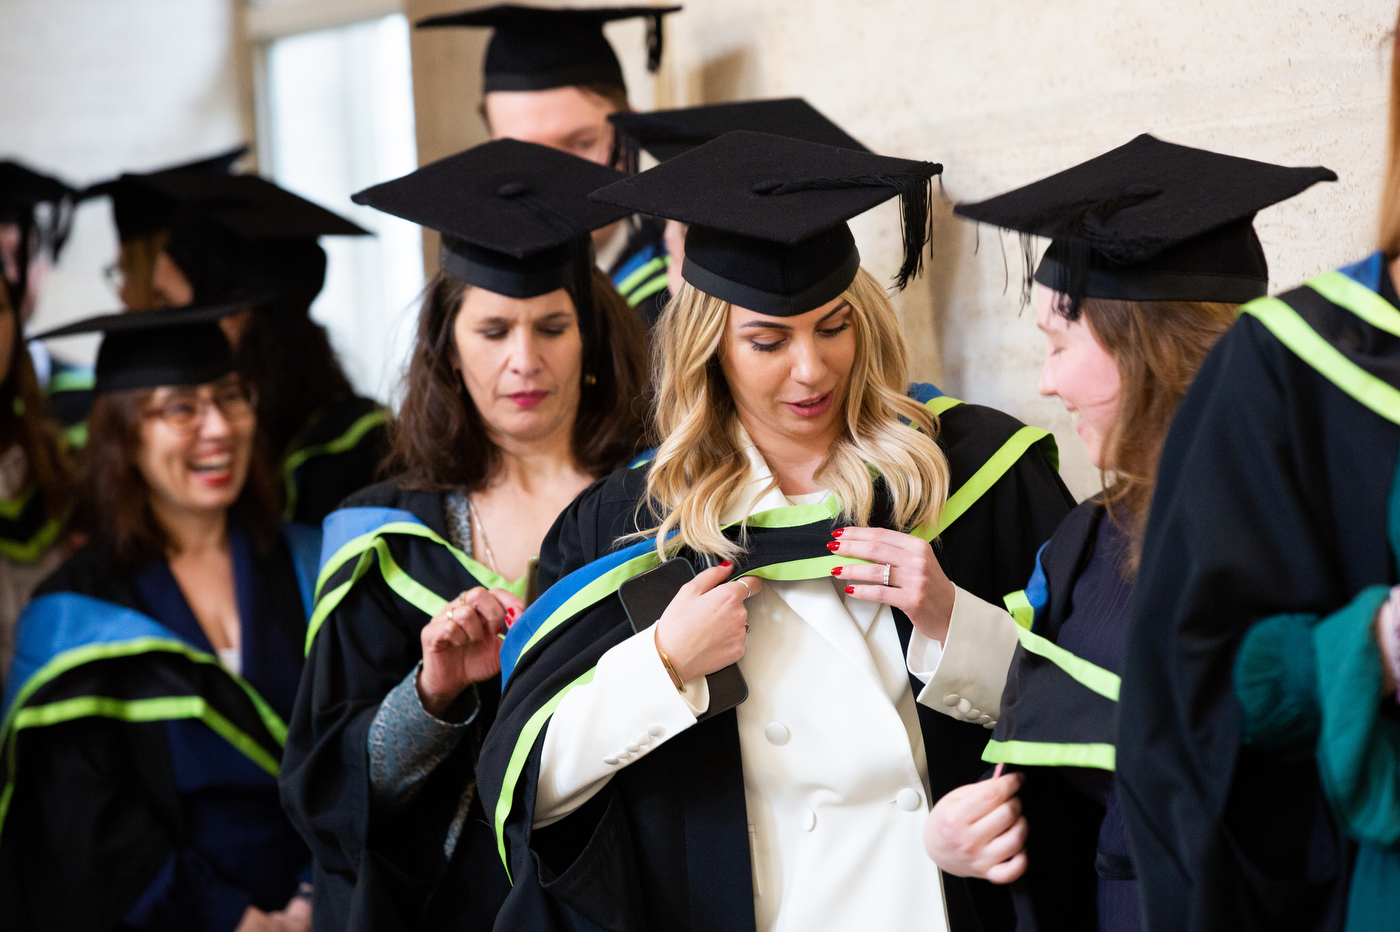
[(835, 768)]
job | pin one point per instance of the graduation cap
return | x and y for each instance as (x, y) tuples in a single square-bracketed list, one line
[(537, 48), (232, 234), (23, 191), (148, 349), (1150, 221), (138, 209), (515, 217), (666, 134), (767, 215)]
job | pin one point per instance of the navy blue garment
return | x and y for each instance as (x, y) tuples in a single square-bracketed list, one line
[(1096, 629), (240, 848)]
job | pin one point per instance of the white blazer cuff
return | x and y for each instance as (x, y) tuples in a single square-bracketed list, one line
[(967, 676)]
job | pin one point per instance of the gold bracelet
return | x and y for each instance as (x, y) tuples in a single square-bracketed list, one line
[(675, 677)]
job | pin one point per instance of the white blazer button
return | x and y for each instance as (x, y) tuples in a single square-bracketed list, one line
[(644, 739), (909, 800), (776, 733), (964, 706), (991, 724), (951, 699), (610, 761), (809, 819), (656, 731), (634, 749), (973, 715), (984, 720)]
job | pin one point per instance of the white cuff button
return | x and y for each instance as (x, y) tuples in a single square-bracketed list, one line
[(776, 733), (611, 761), (809, 819), (656, 731), (951, 699), (909, 800), (644, 739), (964, 706)]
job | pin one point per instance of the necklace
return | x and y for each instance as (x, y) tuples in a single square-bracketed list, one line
[(479, 533)]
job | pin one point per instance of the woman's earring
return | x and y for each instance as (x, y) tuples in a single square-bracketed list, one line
[(590, 379)]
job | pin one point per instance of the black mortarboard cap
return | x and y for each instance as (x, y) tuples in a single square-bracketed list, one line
[(138, 209), (665, 134), (1150, 221), (148, 349), (22, 191), (515, 217), (767, 215), (537, 48), (234, 234)]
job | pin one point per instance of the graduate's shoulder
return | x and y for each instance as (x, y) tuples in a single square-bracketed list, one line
[(971, 435), (607, 509), (346, 420), (396, 494), (92, 570)]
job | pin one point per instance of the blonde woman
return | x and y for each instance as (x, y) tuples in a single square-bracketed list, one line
[(804, 484)]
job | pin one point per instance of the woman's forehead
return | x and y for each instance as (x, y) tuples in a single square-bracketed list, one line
[(480, 304), (740, 317)]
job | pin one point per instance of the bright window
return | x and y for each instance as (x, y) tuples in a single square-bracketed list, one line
[(336, 117)]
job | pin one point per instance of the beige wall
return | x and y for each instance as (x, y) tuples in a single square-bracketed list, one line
[(95, 87)]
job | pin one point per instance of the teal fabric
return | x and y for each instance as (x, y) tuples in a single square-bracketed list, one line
[(1275, 672)]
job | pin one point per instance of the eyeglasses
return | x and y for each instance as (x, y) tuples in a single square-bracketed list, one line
[(185, 409)]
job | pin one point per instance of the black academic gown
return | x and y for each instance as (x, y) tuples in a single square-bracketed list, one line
[(143, 782), (372, 872), (665, 845), (1271, 499), (336, 454)]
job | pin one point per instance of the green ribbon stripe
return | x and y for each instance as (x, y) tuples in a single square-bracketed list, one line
[(346, 441), (1047, 754), (43, 540), (1360, 300), (639, 274), (1020, 608), (1305, 342), (1089, 675), (12, 508), (660, 282), (141, 710), (516, 766), (371, 548)]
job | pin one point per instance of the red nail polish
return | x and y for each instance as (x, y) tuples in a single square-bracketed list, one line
[(836, 571), (833, 546), (850, 590), (510, 613), (838, 532), (726, 563)]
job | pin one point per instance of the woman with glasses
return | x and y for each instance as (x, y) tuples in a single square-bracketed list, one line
[(154, 670)]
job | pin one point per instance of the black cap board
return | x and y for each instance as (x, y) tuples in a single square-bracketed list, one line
[(22, 189), (767, 215), (514, 216), (148, 349), (1151, 221), (665, 134), (138, 209), (249, 206), (538, 48)]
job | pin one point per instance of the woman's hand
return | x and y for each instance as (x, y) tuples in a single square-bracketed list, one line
[(460, 646), (1388, 640), (703, 628), (295, 918), (917, 585), (978, 831)]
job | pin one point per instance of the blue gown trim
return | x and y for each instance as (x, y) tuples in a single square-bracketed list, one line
[(346, 524), (1367, 272)]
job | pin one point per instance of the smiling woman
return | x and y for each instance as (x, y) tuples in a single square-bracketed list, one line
[(154, 669)]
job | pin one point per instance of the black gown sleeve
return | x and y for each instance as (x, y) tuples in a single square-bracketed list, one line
[(1261, 508)]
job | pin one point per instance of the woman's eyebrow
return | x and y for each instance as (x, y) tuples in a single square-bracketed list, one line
[(765, 324), (843, 306)]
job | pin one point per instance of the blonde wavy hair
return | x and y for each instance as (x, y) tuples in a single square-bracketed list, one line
[(699, 467)]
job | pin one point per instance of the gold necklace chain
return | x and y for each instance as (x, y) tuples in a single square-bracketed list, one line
[(479, 533)]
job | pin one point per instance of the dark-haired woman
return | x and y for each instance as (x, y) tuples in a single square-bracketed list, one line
[(525, 385), (35, 483), (154, 671), (237, 236), (1124, 339)]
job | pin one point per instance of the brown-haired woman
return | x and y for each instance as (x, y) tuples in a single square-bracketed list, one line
[(154, 669), (526, 383), (1123, 342), (35, 482)]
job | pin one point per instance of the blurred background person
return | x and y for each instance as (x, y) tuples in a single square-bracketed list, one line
[(240, 236), (155, 669), (551, 77), (527, 383)]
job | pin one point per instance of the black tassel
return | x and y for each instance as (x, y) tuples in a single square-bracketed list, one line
[(654, 41), (626, 152), (915, 189)]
